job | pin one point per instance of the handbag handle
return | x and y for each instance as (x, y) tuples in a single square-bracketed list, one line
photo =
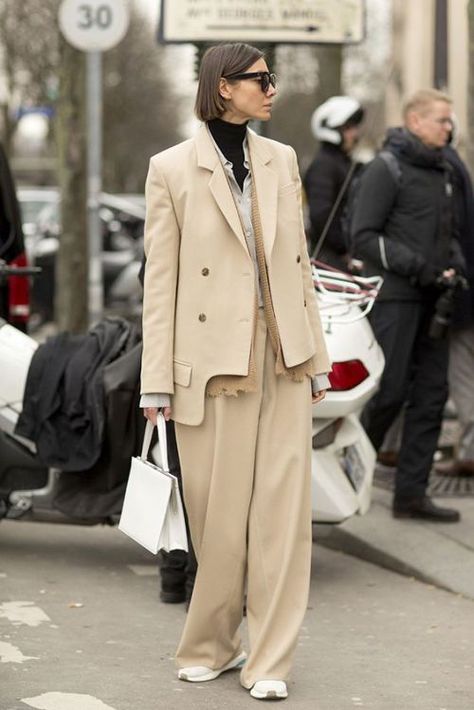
[(162, 441)]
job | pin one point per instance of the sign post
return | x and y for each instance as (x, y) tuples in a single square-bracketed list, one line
[(94, 182), (93, 26)]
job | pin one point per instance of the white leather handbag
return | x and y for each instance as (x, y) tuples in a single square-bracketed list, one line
[(152, 512)]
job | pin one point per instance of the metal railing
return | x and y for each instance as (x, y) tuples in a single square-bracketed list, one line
[(338, 293)]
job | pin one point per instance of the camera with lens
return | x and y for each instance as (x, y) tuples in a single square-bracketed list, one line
[(444, 306)]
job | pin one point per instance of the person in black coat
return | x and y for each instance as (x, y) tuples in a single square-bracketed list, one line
[(405, 230), (336, 124), (11, 231), (177, 568), (461, 350)]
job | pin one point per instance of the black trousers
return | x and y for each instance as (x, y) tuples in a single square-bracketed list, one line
[(177, 568), (415, 375)]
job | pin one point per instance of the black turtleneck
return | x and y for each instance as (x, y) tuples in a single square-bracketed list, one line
[(230, 137)]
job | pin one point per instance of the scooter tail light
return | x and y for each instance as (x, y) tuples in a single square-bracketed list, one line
[(347, 374), (19, 293)]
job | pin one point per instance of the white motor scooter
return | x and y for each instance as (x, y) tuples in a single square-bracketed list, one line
[(342, 458)]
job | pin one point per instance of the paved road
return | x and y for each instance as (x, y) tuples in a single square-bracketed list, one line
[(81, 628)]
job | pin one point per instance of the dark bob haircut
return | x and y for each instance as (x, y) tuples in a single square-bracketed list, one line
[(218, 61)]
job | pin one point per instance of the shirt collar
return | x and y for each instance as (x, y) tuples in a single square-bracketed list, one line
[(227, 163)]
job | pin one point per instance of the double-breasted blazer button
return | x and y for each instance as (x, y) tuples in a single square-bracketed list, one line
[(205, 271), (298, 259), (202, 317)]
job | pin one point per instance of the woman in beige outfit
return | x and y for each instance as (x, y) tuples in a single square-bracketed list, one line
[(233, 351)]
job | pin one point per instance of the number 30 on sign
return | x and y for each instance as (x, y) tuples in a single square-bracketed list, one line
[(93, 25)]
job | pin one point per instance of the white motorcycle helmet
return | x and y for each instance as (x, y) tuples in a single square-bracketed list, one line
[(332, 115)]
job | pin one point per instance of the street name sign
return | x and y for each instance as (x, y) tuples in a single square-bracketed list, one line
[(273, 21), (93, 25)]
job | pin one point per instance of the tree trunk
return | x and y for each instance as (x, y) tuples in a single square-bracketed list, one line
[(470, 88), (330, 71), (71, 295), (8, 128), (9, 122)]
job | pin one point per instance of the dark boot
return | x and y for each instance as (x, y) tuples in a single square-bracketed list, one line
[(173, 576), (423, 508)]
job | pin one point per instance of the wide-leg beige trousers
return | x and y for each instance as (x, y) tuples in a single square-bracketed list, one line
[(246, 475)]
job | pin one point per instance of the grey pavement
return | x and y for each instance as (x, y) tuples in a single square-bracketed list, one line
[(81, 628), (440, 554)]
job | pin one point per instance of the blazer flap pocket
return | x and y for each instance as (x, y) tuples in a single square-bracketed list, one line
[(182, 373)]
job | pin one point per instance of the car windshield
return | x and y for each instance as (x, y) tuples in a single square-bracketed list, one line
[(32, 208)]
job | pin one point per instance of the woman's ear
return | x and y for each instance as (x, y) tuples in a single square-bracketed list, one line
[(224, 89)]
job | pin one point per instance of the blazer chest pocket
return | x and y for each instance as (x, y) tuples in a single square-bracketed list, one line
[(182, 373)]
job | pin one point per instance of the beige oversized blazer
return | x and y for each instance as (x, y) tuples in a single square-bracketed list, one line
[(199, 293)]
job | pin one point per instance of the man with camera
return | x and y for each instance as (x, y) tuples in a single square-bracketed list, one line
[(404, 228)]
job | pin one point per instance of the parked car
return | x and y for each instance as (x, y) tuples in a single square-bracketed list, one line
[(122, 218), (32, 201)]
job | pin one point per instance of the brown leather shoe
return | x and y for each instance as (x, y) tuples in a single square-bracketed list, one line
[(388, 458), (423, 508), (455, 468)]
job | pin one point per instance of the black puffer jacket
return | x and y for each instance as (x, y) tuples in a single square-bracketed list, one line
[(405, 230), (464, 312), (322, 183)]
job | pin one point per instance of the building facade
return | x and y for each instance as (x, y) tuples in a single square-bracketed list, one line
[(427, 33)]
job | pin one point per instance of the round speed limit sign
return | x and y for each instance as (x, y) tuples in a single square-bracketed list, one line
[(93, 24)]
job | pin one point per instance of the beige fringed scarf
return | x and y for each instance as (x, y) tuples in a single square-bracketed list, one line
[(231, 385)]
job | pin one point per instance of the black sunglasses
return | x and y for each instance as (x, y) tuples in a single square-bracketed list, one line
[(264, 76)]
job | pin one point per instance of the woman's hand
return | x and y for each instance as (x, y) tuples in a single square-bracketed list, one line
[(151, 413), (166, 413), (318, 396)]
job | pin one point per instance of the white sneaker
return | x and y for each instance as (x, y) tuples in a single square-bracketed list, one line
[(269, 690), (199, 674)]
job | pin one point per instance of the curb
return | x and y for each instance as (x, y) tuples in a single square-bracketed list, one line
[(342, 541), (432, 553)]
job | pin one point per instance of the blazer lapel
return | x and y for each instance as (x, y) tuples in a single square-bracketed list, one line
[(223, 196), (209, 159), (266, 186)]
